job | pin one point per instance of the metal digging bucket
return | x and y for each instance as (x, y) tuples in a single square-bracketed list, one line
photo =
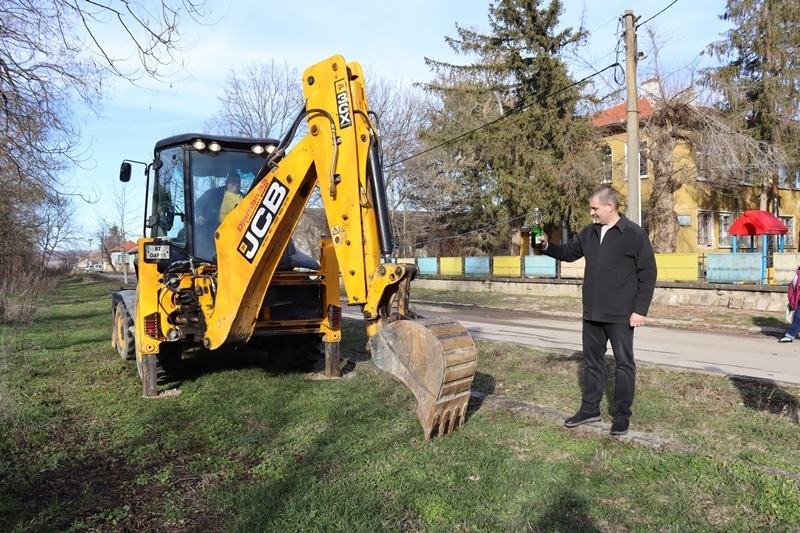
[(436, 359)]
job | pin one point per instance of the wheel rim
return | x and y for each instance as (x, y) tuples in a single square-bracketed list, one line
[(121, 344)]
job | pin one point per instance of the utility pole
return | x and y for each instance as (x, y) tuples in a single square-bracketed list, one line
[(634, 184)]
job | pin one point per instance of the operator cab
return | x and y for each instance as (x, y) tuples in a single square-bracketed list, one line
[(189, 188)]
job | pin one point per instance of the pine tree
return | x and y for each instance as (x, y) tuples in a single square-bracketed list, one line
[(760, 80), (538, 152)]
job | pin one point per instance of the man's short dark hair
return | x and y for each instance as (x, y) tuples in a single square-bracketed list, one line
[(233, 177), (606, 194)]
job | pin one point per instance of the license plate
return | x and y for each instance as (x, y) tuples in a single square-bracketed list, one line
[(154, 252)]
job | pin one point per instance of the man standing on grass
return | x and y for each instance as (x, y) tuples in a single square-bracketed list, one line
[(618, 285)]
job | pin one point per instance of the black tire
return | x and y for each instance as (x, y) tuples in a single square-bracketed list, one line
[(168, 363), (125, 339), (168, 367)]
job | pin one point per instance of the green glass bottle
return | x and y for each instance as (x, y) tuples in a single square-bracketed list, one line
[(536, 228)]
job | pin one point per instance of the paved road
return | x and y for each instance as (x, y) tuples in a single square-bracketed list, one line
[(739, 353)]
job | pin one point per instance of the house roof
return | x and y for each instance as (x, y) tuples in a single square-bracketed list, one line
[(129, 247), (757, 222), (618, 115)]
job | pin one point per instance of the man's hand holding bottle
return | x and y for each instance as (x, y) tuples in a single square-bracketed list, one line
[(540, 242)]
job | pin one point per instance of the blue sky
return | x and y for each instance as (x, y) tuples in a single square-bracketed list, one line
[(389, 38)]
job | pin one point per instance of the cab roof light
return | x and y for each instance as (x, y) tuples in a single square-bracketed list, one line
[(199, 144), (214, 146)]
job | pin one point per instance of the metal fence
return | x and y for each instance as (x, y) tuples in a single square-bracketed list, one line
[(777, 268)]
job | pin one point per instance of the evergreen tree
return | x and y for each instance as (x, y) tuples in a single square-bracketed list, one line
[(760, 79), (537, 152)]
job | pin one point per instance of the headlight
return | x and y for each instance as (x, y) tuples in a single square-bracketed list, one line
[(199, 145), (214, 146), (257, 149)]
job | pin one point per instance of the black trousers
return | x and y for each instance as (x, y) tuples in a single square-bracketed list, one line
[(595, 339)]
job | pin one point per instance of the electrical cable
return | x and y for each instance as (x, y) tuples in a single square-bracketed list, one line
[(519, 107), (657, 14), (466, 232)]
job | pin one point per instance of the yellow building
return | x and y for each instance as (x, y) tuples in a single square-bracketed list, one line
[(704, 215)]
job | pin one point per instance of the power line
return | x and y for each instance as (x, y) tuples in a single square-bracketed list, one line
[(657, 14), (516, 109), (465, 233)]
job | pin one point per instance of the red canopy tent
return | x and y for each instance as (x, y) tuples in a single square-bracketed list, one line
[(757, 222)]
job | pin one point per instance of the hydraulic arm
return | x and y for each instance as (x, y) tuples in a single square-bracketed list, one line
[(340, 153)]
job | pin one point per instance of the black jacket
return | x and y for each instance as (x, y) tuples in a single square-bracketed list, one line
[(620, 274)]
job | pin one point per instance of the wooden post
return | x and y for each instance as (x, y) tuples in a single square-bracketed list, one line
[(634, 184), (333, 367)]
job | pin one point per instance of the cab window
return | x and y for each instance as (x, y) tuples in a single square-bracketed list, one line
[(169, 199)]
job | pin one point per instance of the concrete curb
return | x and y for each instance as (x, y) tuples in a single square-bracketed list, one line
[(651, 321)]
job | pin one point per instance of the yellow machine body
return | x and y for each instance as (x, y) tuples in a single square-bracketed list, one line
[(226, 301)]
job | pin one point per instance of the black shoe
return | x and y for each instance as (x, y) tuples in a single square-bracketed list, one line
[(581, 418), (620, 426)]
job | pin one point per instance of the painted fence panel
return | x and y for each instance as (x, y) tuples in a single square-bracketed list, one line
[(428, 265), (476, 266), (784, 266), (574, 269), (733, 268), (677, 267), (451, 266), (540, 266), (507, 265)]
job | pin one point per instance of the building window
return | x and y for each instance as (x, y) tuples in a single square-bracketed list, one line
[(608, 160), (705, 228), (783, 177), (643, 151), (789, 223), (748, 178), (797, 179), (725, 220), (701, 165)]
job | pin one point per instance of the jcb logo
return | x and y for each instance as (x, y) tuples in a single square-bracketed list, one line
[(263, 219), (343, 105)]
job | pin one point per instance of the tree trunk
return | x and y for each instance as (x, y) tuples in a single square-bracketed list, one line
[(516, 238), (663, 219), (665, 225)]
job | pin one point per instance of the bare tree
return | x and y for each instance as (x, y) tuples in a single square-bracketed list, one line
[(115, 228), (52, 57), (261, 100), (54, 225), (402, 112)]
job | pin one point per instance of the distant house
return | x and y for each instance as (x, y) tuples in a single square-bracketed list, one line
[(93, 262), (122, 256)]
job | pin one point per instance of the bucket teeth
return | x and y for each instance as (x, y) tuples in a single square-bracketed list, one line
[(436, 359), (445, 418)]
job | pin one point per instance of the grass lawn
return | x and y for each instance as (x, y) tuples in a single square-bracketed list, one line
[(246, 448)]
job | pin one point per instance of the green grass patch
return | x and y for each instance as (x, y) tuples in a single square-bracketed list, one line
[(246, 448)]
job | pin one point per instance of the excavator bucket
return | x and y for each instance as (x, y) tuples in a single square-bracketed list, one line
[(436, 359)]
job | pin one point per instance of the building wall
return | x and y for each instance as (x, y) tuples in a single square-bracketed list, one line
[(695, 203)]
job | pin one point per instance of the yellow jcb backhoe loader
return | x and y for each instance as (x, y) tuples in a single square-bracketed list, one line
[(202, 281)]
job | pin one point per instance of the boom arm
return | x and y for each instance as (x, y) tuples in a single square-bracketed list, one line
[(337, 153), (436, 359)]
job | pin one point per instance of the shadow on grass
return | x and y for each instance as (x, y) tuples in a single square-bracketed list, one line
[(768, 321), (767, 396), (569, 512), (199, 362)]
